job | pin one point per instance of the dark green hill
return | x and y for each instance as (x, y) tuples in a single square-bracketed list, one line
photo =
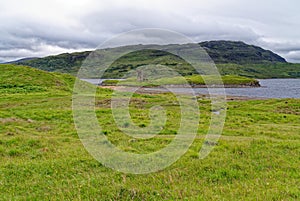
[(231, 57), (65, 63), (239, 53)]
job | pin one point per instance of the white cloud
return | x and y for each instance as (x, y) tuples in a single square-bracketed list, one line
[(34, 27)]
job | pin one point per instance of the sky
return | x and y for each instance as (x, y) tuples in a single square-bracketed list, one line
[(37, 28)]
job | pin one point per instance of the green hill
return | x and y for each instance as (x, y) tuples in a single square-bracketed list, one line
[(239, 53), (235, 58), (22, 79)]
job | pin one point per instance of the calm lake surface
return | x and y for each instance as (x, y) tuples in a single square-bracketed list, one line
[(97, 81), (270, 88)]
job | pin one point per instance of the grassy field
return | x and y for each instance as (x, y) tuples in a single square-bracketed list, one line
[(42, 158)]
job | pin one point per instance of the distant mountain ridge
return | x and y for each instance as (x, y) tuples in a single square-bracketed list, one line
[(21, 60), (239, 52), (233, 57)]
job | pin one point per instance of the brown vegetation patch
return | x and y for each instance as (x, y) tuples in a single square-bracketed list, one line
[(9, 120), (288, 110)]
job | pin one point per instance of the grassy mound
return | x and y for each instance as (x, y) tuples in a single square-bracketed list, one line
[(228, 80), (22, 79)]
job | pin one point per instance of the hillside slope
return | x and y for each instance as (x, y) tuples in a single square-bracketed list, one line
[(22, 79), (239, 53), (231, 57)]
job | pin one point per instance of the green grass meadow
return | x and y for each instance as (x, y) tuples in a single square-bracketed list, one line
[(42, 157)]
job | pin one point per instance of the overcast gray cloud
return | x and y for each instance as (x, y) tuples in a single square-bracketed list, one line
[(33, 28)]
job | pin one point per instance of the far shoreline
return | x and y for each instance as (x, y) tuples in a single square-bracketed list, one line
[(188, 86)]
